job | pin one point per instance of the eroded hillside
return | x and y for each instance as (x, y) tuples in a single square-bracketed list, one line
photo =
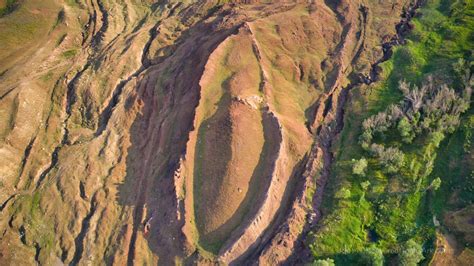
[(144, 132)]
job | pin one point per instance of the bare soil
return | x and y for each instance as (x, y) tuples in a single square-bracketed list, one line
[(170, 132)]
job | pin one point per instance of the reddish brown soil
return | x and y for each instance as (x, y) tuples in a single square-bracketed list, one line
[(106, 124)]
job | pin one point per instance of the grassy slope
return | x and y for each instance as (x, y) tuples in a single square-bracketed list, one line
[(25, 27), (209, 103), (455, 166), (290, 96), (394, 212)]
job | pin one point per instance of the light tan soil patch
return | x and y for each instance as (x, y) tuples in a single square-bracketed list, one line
[(226, 188), (446, 251), (450, 252)]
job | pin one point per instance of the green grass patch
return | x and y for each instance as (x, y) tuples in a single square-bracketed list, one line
[(454, 167), (35, 228), (24, 29), (69, 53), (396, 208)]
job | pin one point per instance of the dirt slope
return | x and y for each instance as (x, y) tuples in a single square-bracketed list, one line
[(173, 132)]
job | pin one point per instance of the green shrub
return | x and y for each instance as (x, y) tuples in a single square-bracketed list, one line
[(392, 159), (343, 193), (365, 185), (406, 130), (359, 167), (435, 184), (411, 254), (372, 256), (325, 262)]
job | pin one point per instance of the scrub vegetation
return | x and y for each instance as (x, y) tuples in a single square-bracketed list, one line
[(405, 148)]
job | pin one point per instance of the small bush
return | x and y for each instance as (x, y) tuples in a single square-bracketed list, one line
[(406, 130), (372, 256), (435, 184), (411, 254), (343, 193), (325, 262), (365, 185), (359, 167)]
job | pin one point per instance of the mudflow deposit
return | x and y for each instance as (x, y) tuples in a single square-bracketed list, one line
[(163, 132)]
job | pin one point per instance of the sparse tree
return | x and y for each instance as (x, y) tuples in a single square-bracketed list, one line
[(436, 138), (365, 185), (404, 87), (415, 97), (411, 254), (406, 130), (376, 149), (415, 123), (394, 112), (448, 123), (359, 167), (435, 184), (380, 122), (391, 159), (426, 123), (468, 91), (325, 262), (365, 139), (372, 256), (462, 70), (343, 193), (377, 123)]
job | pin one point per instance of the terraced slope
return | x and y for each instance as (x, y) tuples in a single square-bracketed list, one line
[(143, 132)]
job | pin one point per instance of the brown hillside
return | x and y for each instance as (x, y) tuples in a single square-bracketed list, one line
[(169, 132)]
